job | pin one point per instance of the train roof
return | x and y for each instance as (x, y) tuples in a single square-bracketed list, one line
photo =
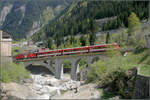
[(85, 46)]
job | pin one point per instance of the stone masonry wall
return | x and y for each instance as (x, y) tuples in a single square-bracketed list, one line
[(5, 46), (141, 90)]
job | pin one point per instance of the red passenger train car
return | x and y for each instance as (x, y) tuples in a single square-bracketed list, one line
[(68, 51)]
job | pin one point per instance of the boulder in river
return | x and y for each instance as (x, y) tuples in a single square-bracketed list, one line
[(14, 91)]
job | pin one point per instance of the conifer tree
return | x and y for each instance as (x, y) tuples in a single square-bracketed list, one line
[(107, 38)]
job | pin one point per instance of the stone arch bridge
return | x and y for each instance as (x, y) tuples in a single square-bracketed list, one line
[(55, 64)]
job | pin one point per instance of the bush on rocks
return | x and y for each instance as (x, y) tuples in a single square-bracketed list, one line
[(119, 82), (116, 74)]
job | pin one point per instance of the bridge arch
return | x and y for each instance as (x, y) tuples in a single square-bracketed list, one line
[(38, 69), (76, 67), (40, 63)]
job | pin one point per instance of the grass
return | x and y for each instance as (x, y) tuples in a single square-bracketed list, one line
[(16, 50), (145, 70), (11, 72)]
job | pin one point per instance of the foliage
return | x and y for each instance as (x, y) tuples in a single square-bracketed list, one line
[(13, 72), (107, 38), (131, 38), (67, 64), (106, 94), (122, 17), (50, 44), (120, 38), (145, 70), (79, 18), (16, 50), (133, 22), (71, 42), (96, 70), (113, 72), (82, 64)]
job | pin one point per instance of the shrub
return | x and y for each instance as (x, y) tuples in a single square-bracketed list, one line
[(82, 64), (96, 71), (13, 72), (114, 72), (145, 70), (67, 64)]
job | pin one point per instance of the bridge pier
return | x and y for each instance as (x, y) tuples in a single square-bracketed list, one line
[(59, 69), (74, 71)]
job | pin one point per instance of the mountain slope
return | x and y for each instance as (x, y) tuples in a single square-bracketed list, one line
[(24, 17), (79, 18)]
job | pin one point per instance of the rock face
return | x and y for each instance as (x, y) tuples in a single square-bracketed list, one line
[(4, 13), (24, 17), (35, 27)]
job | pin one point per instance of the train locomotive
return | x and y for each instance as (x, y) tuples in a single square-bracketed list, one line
[(68, 51)]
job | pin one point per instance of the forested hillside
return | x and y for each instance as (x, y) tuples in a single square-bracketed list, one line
[(79, 18), (24, 17)]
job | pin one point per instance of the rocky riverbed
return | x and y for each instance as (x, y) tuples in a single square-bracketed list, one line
[(42, 86), (47, 86)]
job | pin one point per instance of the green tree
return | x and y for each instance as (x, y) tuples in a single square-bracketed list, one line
[(82, 40), (92, 38), (54, 46), (133, 23), (68, 41), (107, 38), (49, 43), (87, 42), (62, 46), (133, 27), (77, 42)]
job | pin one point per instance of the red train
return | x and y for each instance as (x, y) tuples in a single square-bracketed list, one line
[(68, 51)]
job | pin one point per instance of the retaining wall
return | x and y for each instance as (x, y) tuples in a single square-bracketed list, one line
[(141, 90)]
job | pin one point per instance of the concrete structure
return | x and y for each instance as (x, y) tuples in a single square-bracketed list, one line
[(5, 44), (55, 64)]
